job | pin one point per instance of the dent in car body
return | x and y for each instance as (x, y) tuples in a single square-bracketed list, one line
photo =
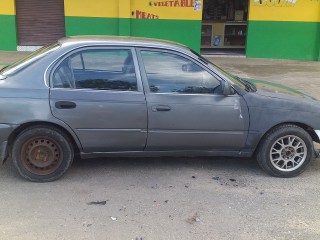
[(268, 109)]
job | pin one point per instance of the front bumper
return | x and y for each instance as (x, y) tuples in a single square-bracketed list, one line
[(317, 151), (318, 133)]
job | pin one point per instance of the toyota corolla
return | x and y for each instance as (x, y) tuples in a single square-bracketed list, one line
[(133, 97)]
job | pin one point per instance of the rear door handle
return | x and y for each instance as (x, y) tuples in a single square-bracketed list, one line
[(161, 108), (65, 105)]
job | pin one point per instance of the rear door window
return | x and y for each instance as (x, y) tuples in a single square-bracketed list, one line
[(101, 69)]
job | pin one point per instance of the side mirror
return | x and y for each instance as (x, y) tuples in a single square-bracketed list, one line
[(227, 89), (186, 67), (191, 67)]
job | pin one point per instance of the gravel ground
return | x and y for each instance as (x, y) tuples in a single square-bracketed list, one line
[(162, 198)]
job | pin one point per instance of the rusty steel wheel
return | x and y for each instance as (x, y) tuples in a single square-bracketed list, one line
[(42, 153)]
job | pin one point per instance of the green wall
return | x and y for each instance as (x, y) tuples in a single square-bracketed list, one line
[(280, 39), (265, 39), (91, 26), (187, 32), (318, 40), (8, 35)]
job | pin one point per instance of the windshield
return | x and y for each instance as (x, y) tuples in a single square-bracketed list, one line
[(29, 59), (233, 78)]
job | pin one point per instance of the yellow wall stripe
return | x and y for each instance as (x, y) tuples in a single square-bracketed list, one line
[(145, 9), (285, 10), (89, 8), (7, 7), (124, 8)]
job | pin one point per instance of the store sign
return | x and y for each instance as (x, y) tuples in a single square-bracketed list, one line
[(285, 10), (136, 9), (167, 9), (144, 15), (176, 3), (275, 3)]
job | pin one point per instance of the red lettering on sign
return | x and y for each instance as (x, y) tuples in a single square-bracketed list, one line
[(145, 15), (174, 3)]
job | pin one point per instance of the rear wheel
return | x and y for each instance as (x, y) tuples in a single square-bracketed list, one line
[(285, 151), (42, 153)]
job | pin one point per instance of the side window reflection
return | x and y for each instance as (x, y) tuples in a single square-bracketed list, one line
[(101, 69), (63, 76), (170, 73)]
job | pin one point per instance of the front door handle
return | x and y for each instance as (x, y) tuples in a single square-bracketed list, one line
[(161, 108), (65, 105)]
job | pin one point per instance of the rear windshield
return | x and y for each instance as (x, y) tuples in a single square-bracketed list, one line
[(28, 60)]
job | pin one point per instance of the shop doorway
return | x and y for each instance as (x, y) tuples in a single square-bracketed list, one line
[(224, 27), (39, 22)]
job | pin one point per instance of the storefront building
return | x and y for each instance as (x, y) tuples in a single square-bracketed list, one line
[(287, 29), (284, 29), (26, 23)]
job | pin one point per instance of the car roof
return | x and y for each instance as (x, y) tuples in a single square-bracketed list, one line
[(120, 40)]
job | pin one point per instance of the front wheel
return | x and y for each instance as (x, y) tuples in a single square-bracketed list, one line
[(42, 153), (285, 151)]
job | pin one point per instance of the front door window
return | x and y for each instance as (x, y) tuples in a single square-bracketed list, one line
[(170, 73)]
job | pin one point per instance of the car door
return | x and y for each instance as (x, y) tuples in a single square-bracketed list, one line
[(98, 93), (186, 107)]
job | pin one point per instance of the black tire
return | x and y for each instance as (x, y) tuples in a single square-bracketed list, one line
[(42, 153), (285, 151)]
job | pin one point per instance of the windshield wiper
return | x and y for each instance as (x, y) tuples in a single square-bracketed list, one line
[(250, 86), (203, 60), (1, 69)]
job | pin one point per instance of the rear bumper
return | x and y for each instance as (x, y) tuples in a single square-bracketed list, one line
[(4, 151), (5, 131)]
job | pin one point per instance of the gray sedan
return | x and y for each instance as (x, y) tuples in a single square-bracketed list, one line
[(111, 96)]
